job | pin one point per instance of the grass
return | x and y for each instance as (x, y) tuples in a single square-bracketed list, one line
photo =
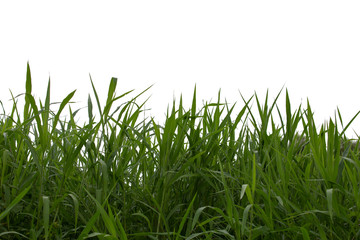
[(203, 174)]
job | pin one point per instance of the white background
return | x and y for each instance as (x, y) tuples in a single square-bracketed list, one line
[(310, 47)]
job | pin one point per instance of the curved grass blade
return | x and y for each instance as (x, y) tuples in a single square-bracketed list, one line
[(183, 220), (14, 202)]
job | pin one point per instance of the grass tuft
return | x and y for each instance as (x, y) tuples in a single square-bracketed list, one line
[(203, 174)]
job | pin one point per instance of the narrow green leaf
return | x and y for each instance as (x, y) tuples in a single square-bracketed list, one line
[(253, 186), (76, 208), (305, 233), (110, 97), (62, 106), (144, 217), (90, 109), (96, 97), (14, 202), (244, 218), (28, 79), (183, 220), (110, 225), (329, 197), (89, 225), (196, 217), (46, 215), (13, 232), (27, 93), (45, 116)]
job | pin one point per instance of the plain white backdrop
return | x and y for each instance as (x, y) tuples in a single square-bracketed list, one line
[(310, 47)]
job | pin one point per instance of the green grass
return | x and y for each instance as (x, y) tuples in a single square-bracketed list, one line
[(206, 173)]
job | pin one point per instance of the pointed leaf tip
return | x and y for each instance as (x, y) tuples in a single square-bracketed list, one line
[(28, 79)]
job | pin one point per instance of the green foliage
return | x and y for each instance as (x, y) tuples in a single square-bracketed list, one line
[(203, 174)]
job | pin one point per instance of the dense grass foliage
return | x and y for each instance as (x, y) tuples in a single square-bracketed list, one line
[(203, 174)]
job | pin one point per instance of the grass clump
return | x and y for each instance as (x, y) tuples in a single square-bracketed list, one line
[(203, 174)]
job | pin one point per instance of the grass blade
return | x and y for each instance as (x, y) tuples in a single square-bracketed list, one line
[(16, 200)]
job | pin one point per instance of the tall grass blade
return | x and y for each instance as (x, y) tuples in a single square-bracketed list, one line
[(46, 214), (184, 218), (13, 203)]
